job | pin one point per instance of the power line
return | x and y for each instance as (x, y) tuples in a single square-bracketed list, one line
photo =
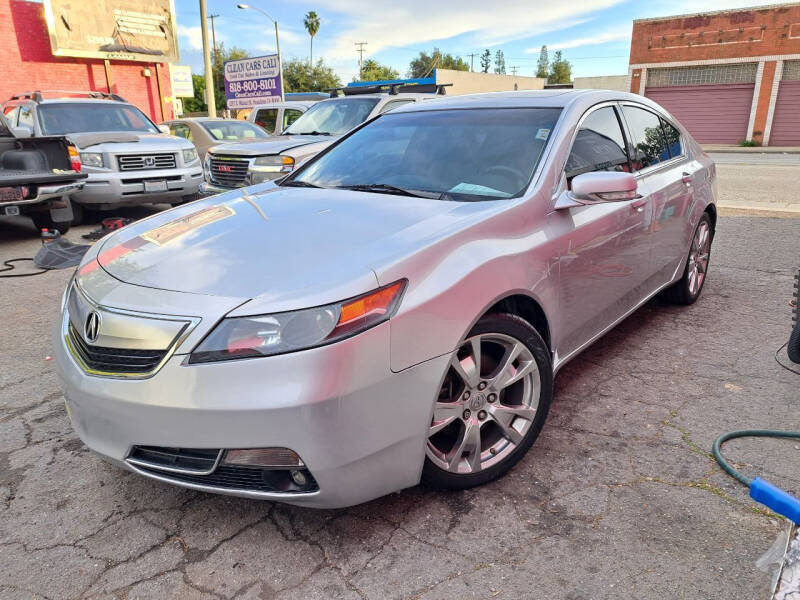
[(471, 57), (514, 70), (360, 51)]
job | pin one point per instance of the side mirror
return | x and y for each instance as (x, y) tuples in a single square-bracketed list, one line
[(22, 131), (163, 128), (598, 187)]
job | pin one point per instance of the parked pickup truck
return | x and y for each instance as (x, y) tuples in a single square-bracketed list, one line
[(37, 176)]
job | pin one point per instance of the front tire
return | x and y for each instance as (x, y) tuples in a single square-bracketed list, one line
[(492, 405), (687, 289)]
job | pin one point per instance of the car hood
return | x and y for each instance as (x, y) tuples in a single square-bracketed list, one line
[(125, 141), (287, 247), (274, 145)]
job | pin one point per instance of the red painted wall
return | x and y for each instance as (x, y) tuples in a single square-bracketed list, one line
[(28, 64), (729, 34)]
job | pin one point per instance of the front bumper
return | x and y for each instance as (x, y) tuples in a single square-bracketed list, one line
[(114, 188), (360, 428)]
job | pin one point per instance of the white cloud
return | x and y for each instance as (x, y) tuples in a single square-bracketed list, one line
[(586, 41), (404, 24), (192, 35)]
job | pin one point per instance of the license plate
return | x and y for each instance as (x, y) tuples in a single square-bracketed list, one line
[(10, 194), (12, 211), (155, 186)]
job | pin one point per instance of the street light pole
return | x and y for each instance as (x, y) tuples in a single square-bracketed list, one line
[(277, 40), (210, 100)]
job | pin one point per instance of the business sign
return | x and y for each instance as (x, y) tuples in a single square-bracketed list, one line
[(181, 77), (252, 81), (140, 30)]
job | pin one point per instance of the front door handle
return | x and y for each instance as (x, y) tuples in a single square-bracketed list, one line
[(639, 203), (686, 178)]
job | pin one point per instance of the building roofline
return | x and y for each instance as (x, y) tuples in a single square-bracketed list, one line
[(718, 12)]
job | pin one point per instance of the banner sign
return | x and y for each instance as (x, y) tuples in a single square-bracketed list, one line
[(252, 81), (182, 84)]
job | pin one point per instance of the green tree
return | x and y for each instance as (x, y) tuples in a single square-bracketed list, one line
[(198, 102), (374, 71), (424, 64), (311, 22), (560, 69), (299, 76), (486, 61), (543, 65), (499, 63)]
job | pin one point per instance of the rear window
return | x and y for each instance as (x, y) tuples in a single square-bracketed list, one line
[(80, 117), (233, 130)]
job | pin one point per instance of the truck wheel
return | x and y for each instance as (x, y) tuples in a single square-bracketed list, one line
[(42, 220), (793, 349), (82, 215)]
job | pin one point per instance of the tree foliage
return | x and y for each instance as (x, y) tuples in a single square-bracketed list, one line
[(560, 69), (299, 76), (372, 70), (543, 64), (311, 23), (499, 63), (486, 61), (424, 64)]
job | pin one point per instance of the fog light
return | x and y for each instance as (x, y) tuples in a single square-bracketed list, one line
[(263, 457), (299, 478)]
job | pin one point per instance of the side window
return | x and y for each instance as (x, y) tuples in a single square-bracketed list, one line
[(673, 137), (26, 117), (648, 146), (394, 104), (10, 113), (599, 145), (266, 119), (290, 115), (181, 130)]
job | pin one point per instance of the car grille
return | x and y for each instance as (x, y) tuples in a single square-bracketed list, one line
[(140, 162), (114, 360), (228, 172), (158, 460)]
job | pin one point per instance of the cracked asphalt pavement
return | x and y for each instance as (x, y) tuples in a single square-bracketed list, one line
[(619, 497)]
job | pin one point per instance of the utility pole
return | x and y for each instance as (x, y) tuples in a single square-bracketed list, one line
[(514, 70), (360, 58), (210, 99), (216, 54), (471, 57)]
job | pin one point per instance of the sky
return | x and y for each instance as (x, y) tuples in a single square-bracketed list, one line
[(594, 35)]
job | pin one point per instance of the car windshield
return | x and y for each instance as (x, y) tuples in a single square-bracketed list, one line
[(332, 117), (84, 117), (233, 130), (456, 154)]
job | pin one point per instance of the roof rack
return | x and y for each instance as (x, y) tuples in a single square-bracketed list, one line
[(391, 88), (38, 95)]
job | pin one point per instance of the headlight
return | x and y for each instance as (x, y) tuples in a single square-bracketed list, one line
[(92, 159), (267, 335), (189, 156)]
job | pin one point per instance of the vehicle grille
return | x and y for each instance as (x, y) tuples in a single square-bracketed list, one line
[(228, 172), (227, 477), (140, 162), (115, 360)]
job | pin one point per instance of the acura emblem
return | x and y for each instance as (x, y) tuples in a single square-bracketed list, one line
[(92, 327), (149, 161)]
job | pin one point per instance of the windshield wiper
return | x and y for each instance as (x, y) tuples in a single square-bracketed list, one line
[(297, 183), (385, 188), (308, 133)]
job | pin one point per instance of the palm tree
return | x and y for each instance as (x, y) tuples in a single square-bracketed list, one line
[(311, 22)]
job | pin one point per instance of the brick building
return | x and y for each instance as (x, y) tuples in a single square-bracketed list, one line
[(727, 76), (28, 64)]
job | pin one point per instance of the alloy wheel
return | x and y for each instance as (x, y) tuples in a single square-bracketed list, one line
[(486, 406), (698, 257)]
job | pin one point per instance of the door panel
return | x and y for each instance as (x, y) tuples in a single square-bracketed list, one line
[(786, 122)]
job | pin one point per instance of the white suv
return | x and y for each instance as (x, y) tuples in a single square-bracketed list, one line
[(128, 159)]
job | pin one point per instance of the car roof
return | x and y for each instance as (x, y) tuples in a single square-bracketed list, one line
[(287, 104), (203, 119), (81, 101), (522, 99)]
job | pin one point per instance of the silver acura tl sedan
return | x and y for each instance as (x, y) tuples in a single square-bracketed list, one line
[(395, 309)]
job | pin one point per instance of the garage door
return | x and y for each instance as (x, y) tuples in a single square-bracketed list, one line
[(713, 102), (786, 119)]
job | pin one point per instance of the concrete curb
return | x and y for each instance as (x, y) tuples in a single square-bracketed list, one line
[(740, 210), (753, 150)]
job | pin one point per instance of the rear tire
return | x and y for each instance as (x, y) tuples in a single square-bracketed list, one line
[(489, 411), (43, 220), (687, 289), (793, 347), (81, 215)]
